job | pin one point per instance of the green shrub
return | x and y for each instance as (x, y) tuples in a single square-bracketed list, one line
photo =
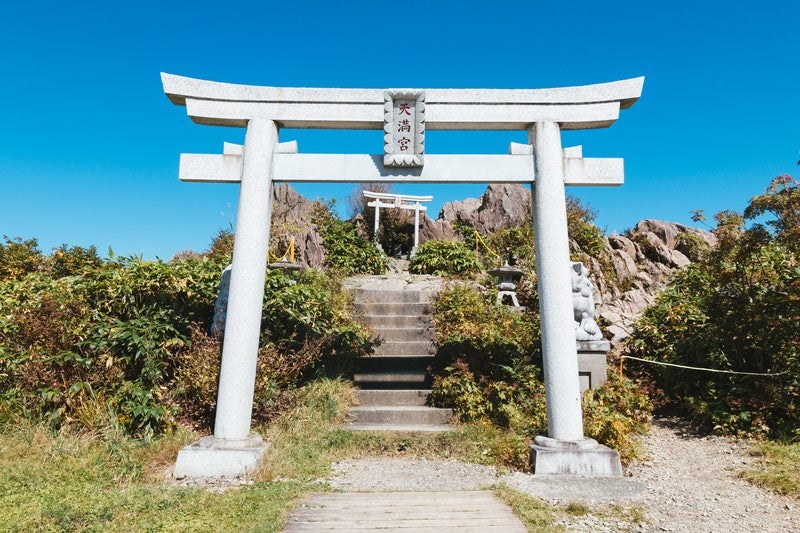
[(486, 362), (488, 365), (615, 413), (516, 242), (470, 326), (692, 246), (221, 249), (106, 337), (738, 309), (444, 258), (125, 337), (19, 257), (581, 228), (346, 252)]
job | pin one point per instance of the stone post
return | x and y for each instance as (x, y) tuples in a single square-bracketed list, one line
[(243, 323), (416, 229), (562, 389), (376, 226), (565, 451), (233, 450)]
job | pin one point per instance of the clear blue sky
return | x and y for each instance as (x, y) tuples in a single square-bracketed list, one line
[(89, 145)]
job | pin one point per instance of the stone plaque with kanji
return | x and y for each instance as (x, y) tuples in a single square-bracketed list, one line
[(403, 128)]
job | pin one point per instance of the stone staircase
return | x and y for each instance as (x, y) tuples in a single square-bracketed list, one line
[(394, 382)]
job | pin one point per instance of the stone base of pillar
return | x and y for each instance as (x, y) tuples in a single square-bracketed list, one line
[(574, 458), (220, 458), (592, 363)]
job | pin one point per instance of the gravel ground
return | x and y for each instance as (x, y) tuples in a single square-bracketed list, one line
[(689, 483)]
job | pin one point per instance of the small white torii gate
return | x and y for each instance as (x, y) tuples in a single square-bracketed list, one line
[(397, 201), (543, 163)]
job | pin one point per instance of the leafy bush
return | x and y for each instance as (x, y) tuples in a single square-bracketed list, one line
[(692, 246), (738, 309), (516, 242), (581, 228), (615, 413), (19, 257), (125, 337), (470, 326), (443, 258), (346, 252), (106, 337), (488, 368)]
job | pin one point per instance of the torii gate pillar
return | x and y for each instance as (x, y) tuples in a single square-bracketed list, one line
[(233, 450), (564, 450)]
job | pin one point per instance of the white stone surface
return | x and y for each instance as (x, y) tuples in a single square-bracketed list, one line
[(243, 323), (438, 117), (363, 168), (403, 128), (177, 88), (217, 458), (560, 357), (582, 457)]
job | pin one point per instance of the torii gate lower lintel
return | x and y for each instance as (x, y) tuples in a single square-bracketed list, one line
[(544, 163)]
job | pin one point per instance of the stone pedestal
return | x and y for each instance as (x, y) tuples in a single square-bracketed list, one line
[(592, 370), (577, 458), (220, 458)]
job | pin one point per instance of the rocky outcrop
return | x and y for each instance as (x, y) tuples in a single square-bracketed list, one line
[(633, 269), (641, 261), (292, 217), (501, 206)]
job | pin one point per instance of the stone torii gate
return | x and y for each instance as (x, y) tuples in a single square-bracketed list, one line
[(397, 201), (404, 115)]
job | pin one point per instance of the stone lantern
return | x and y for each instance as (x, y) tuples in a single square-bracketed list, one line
[(508, 277)]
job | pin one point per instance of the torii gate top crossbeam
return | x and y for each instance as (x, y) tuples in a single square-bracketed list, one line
[(227, 104), (397, 197)]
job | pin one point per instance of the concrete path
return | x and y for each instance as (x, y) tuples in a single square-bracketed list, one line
[(465, 511)]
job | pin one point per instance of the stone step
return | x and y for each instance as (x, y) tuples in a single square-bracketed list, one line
[(393, 309), (391, 296), (390, 363), (390, 334), (396, 321), (406, 348), (393, 397), (393, 380), (400, 428), (399, 414)]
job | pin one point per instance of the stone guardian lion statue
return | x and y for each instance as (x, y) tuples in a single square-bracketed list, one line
[(586, 328)]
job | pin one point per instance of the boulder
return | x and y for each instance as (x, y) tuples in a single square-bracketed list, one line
[(292, 217)]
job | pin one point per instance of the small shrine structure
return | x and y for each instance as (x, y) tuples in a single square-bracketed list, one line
[(397, 201)]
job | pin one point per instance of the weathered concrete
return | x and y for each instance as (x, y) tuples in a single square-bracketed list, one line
[(248, 271), (393, 397), (584, 457), (592, 363), (218, 458)]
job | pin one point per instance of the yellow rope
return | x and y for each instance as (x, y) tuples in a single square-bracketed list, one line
[(478, 238), (287, 256), (662, 363)]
